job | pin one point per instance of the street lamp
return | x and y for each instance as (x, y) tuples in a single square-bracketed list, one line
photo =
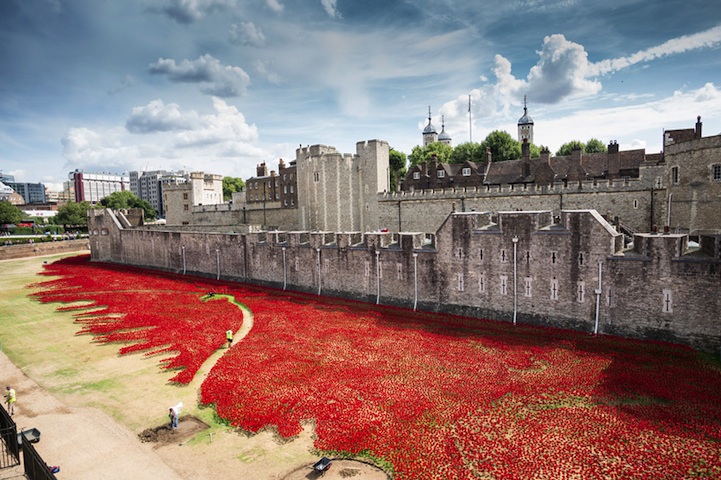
[(378, 277), (415, 280), (515, 278), (285, 277), (318, 251)]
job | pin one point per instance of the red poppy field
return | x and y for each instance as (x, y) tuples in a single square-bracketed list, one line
[(427, 396)]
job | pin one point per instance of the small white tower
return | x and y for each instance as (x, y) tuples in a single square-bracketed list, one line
[(525, 125), (443, 137), (429, 133)]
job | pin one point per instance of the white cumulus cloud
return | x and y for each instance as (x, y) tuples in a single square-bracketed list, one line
[(246, 33), (217, 79), (330, 7), (189, 11)]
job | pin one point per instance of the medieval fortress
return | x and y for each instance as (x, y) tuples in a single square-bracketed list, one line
[(622, 243)]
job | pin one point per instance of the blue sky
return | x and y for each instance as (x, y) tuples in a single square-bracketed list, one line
[(222, 85)]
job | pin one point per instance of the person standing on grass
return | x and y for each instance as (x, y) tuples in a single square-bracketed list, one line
[(229, 337), (10, 399)]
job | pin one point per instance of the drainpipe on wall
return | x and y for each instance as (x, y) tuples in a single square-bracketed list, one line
[(668, 211), (515, 279), (599, 290), (217, 262), (285, 276), (415, 281)]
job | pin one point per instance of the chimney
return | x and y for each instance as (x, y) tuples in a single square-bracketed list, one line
[(281, 164), (698, 127), (613, 159), (261, 170), (545, 155), (576, 155), (489, 157), (526, 156)]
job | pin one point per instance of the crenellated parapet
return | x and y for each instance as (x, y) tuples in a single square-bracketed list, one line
[(569, 270)]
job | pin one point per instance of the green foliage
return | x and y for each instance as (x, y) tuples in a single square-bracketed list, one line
[(9, 213), (502, 145), (127, 199), (73, 213), (468, 151), (232, 185), (595, 145), (397, 161), (424, 154)]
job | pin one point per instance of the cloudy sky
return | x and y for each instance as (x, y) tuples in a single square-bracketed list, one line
[(222, 85)]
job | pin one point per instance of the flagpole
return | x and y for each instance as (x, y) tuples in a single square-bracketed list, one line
[(470, 124)]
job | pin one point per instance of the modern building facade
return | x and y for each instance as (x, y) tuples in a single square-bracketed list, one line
[(93, 187), (32, 193)]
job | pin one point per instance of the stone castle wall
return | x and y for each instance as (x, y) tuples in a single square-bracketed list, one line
[(470, 266), (634, 202)]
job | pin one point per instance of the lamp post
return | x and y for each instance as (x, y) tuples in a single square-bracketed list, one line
[(415, 281), (217, 263), (285, 276), (318, 251), (515, 278), (378, 277), (182, 248), (599, 290)]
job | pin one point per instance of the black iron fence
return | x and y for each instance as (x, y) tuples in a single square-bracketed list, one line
[(9, 450), (35, 467)]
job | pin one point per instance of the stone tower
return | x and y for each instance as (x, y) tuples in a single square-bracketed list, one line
[(443, 137), (429, 133), (525, 125)]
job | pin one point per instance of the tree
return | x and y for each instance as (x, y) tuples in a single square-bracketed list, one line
[(425, 153), (502, 145), (595, 145), (397, 161), (468, 151), (73, 214), (232, 185), (9, 213), (127, 199), (568, 147)]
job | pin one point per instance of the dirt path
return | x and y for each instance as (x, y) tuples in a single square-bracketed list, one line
[(91, 405)]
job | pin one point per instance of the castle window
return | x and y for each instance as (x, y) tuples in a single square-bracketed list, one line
[(716, 173), (609, 297), (416, 175), (291, 176), (527, 287), (285, 202), (399, 271), (580, 292), (674, 175), (528, 257), (635, 204), (504, 258), (185, 207), (460, 282), (285, 189), (554, 255), (580, 259), (291, 189), (285, 175), (277, 196), (466, 172), (554, 289), (504, 285), (316, 177), (185, 196), (480, 254), (659, 182), (292, 201), (441, 173), (482, 283), (667, 301), (367, 268)]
